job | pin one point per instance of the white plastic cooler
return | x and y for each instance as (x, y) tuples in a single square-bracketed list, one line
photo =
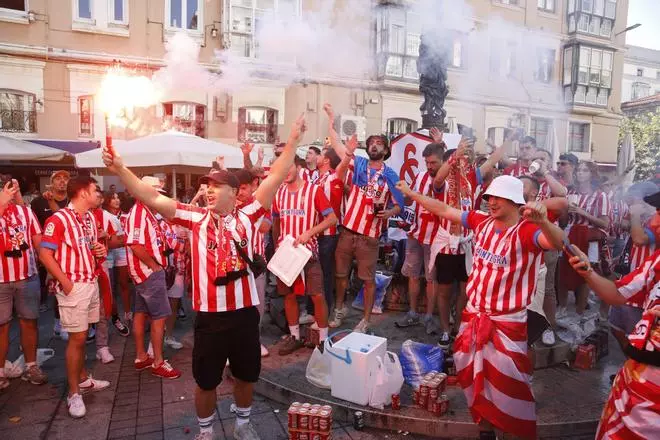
[(353, 366)]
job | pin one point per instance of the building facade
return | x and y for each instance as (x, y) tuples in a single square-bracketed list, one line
[(566, 93), (641, 73)]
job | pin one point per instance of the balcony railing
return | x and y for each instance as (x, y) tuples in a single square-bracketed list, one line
[(18, 121)]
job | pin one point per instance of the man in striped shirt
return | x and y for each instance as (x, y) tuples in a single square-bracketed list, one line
[(20, 233), (147, 260), (298, 209), (490, 349), (69, 251), (372, 200), (223, 289)]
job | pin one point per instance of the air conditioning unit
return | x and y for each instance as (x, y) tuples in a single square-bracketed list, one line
[(348, 125)]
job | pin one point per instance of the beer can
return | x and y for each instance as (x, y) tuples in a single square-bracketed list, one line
[(327, 408), (314, 419), (296, 404), (317, 407), (314, 436), (416, 396), (324, 436), (442, 381), (424, 388), (358, 420), (430, 403), (429, 376), (396, 402), (436, 408), (293, 417), (423, 400), (303, 418), (303, 436), (444, 403), (307, 406), (433, 394), (325, 420), (293, 435)]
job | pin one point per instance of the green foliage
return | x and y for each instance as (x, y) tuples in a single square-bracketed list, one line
[(645, 129)]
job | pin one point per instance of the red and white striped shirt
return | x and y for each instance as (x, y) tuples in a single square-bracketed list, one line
[(241, 293), (426, 224), (70, 235), (595, 204), (18, 224), (505, 264), (639, 253), (143, 228), (516, 170), (309, 176), (619, 211), (300, 211), (259, 237), (333, 188), (359, 214)]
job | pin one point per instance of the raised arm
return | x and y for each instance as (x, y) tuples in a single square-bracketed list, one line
[(342, 168), (278, 171), (246, 149), (140, 190), (638, 233), (443, 172), (603, 287), (335, 143), (552, 237), (435, 206), (497, 155)]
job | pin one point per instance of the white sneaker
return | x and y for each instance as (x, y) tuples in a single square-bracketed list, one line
[(340, 314), (305, 318), (548, 337), (92, 385), (362, 326), (76, 406), (103, 354), (264, 351), (173, 343), (150, 350)]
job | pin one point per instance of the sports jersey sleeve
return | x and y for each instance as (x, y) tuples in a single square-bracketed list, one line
[(186, 215), (472, 219), (392, 179), (112, 226), (137, 224), (34, 227), (637, 284), (254, 211), (53, 233), (529, 235), (116, 224), (321, 203)]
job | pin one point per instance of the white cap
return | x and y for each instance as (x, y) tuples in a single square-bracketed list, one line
[(153, 182), (507, 187)]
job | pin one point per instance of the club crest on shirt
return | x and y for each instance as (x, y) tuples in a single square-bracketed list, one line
[(50, 229), (136, 234)]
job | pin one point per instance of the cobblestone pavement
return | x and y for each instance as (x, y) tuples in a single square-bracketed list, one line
[(137, 405)]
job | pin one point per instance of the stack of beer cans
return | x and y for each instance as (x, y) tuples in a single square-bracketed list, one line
[(309, 422), (430, 394)]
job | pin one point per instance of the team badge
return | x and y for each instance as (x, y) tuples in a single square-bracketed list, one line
[(50, 229)]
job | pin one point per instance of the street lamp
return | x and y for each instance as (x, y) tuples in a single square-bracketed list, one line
[(629, 28)]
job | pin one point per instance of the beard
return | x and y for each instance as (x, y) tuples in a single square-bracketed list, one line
[(375, 155)]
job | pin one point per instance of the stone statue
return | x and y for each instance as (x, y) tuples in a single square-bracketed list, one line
[(432, 68)]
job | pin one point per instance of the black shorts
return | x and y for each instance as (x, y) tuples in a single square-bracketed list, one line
[(450, 268), (536, 325), (226, 335)]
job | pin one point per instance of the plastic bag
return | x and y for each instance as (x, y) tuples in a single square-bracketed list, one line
[(318, 369), (382, 283), (389, 380), (417, 359), (15, 369)]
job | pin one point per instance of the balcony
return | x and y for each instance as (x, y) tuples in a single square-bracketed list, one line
[(18, 121)]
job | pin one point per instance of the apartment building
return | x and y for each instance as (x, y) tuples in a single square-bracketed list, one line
[(641, 73), (54, 53)]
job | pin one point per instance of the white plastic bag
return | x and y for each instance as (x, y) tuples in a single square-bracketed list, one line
[(15, 369), (388, 381), (318, 369)]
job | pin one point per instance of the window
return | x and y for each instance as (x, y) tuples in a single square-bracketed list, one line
[(592, 73), (594, 17), (640, 90), (84, 9), (507, 2), (187, 117), (398, 33), (640, 71), (397, 126), (546, 5), (86, 116), (15, 5), (184, 14), (503, 58), (257, 124), (457, 56), (245, 17), (540, 130), (578, 137), (545, 61), (17, 112), (101, 16), (118, 11)]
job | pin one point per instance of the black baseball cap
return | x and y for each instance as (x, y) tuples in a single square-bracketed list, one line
[(221, 177), (569, 157), (653, 200)]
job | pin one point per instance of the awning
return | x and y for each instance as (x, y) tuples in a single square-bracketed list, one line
[(18, 150), (73, 147)]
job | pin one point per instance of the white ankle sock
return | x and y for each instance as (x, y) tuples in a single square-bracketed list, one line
[(295, 331), (242, 415), (206, 424)]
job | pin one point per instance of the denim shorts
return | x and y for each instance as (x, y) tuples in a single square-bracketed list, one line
[(151, 296), (22, 296)]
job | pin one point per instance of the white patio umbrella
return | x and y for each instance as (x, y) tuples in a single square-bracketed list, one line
[(171, 150), (12, 149), (626, 157)]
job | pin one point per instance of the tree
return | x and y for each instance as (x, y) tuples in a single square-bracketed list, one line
[(645, 129)]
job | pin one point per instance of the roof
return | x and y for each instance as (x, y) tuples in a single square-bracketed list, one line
[(642, 102), (638, 53)]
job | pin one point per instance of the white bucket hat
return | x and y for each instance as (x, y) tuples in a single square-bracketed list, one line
[(507, 187)]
